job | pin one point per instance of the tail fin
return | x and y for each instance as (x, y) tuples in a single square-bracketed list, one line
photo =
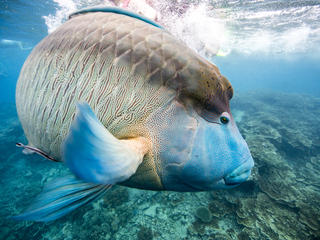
[(61, 197)]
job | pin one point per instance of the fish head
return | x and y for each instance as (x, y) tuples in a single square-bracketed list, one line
[(219, 156), (205, 150)]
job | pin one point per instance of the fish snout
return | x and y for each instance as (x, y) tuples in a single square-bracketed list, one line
[(240, 174)]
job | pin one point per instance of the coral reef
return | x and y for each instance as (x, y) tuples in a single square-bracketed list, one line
[(280, 201)]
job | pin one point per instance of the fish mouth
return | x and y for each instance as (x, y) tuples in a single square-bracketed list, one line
[(228, 183), (223, 183), (240, 174)]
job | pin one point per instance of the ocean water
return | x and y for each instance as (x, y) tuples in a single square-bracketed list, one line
[(270, 52)]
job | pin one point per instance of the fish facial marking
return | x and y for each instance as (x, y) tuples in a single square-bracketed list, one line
[(220, 153), (214, 155)]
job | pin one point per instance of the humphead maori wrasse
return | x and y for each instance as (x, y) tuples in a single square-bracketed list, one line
[(119, 100)]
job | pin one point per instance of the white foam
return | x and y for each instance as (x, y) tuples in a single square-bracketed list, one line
[(220, 27), (249, 27), (204, 34), (65, 8)]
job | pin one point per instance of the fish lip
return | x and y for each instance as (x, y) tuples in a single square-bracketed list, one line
[(242, 172), (219, 184), (194, 188), (230, 183), (225, 182)]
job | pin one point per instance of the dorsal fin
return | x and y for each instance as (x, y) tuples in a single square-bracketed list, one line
[(116, 10)]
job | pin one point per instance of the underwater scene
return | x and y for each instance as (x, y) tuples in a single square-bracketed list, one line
[(270, 53)]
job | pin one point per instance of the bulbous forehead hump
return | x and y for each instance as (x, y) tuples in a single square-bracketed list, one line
[(153, 53), (203, 82)]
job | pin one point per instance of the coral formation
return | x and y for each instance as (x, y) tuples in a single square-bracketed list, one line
[(280, 201), (145, 233), (116, 197), (203, 214)]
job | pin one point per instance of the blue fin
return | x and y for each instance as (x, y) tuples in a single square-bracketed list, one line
[(94, 155), (61, 197), (118, 11)]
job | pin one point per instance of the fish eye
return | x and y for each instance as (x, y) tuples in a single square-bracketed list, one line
[(224, 120)]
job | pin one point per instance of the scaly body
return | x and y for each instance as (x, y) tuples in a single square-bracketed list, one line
[(125, 69)]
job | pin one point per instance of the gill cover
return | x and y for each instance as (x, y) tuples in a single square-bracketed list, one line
[(204, 155), (220, 157)]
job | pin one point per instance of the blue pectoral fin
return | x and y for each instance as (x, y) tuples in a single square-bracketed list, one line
[(94, 155), (61, 197)]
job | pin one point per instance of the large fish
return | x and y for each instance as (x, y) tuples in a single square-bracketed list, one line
[(119, 100)]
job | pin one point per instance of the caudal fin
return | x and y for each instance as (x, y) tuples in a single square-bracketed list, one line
[(61, 197)]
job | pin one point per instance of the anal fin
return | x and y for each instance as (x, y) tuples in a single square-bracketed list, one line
[(61, 197)]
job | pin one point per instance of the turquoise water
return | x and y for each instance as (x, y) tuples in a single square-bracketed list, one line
[(269, 52)]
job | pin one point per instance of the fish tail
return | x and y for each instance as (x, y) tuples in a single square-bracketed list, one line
[(61, 197)]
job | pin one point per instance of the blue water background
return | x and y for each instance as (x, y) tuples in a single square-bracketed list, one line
[(296, 73), (288, 74), (20, 21)]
